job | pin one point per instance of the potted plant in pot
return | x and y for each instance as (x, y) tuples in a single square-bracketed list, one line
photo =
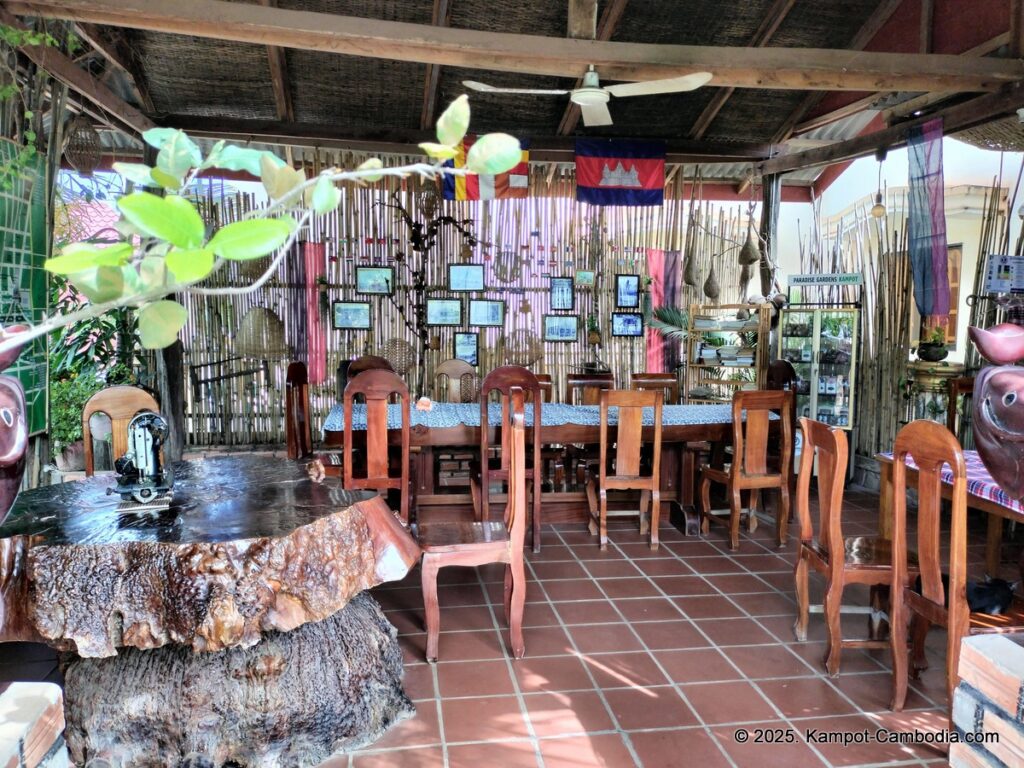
[(68, 397), (593, 329), (933, 347)]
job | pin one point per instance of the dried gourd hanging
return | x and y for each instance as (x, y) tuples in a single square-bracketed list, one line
[(750, 253), (711, 289), (746, 275), (690, 266)]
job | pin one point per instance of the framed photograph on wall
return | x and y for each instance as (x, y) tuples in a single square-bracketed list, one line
[(563, 293), (467, 347), (630, 324), (486, 313), (351, 315), (465, 277), (444, 311), (627, 291), (379, 280), (586, 278), (561, 327)]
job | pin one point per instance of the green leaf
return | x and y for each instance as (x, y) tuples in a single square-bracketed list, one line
[(234, 158), (439, 151), (160, 322), (157, 137), (173, 218), (179, 155), (326, 196), (453, 124), (213, 156), (136, 173), (99, 284), (251, 239), (191, 265), (279, 180), (152, 272), (371, 164), (166, 180), (78, 257), (494, 153)]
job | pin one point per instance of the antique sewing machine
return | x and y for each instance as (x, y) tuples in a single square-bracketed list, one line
[(141, 478)]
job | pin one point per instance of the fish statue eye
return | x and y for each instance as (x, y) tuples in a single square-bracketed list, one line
[(8, 417)]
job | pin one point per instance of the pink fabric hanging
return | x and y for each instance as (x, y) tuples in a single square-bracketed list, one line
[(316, 334), (665, 270)]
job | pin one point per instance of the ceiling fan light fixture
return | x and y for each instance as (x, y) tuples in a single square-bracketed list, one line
[(587, 96)]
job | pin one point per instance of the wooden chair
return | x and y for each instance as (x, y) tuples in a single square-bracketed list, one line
[(377, 387), (547, 387), (297, 429), (841, 560), (586, 388), (628, 472), (932, 446), (479, 543), (749, 467), (457, 380), (503, 380), (121, 404), (667, 383), (958, 417)]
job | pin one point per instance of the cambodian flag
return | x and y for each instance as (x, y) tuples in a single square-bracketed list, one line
[(620, 172)]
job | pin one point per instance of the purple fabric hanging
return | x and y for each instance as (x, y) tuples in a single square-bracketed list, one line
[(927, 234)]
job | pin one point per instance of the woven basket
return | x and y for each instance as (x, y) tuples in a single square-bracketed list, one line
[(82, 147), (261, 335), (1006, 135), (400, 354)]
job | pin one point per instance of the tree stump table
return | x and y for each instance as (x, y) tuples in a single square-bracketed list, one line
[(230, 629)]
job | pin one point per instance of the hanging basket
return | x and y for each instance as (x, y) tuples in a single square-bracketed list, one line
[(1005, 135), (261, 335), (82, 147)]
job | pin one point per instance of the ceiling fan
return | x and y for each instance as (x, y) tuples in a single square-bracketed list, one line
[(593, 98)]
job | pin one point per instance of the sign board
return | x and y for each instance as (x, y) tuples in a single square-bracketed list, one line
[(1005, 274), (837, 278)]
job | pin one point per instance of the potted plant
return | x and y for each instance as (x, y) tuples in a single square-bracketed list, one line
[(933, 347), (68, 397), (593, 329)]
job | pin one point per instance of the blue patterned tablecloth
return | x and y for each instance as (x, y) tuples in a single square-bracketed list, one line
[(552, 415)]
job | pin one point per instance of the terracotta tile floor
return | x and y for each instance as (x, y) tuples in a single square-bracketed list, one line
[(648, 659)]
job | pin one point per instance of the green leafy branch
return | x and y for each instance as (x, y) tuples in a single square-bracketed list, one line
[(166, 250)]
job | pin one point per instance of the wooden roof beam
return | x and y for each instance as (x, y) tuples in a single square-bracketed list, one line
[(955, 118), (117, 55), (605, 29), (279, 76), (772, 68), (64, 69), (771, 22), (441, 18)]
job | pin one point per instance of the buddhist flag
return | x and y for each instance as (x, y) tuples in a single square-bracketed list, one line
[(617, 172), (929, 256), (513, 184)]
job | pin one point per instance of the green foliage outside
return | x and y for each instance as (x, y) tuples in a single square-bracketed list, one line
[(67, 401)]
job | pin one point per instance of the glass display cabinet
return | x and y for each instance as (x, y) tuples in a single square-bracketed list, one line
[(821, 343)]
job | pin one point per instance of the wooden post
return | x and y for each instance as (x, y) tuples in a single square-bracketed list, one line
[(771, 197)]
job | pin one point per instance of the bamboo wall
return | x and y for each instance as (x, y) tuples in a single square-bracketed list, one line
[(522, 243)]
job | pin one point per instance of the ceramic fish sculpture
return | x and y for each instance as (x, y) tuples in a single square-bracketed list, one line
[(998, 406), (13, 427)]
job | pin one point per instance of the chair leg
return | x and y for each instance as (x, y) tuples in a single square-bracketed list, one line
[(834, 643), (898, 650), (802, 598), (431, 609), (508, 594), (919, 627), (782, 516), (655, 517), (535, 534), (878, 598), (645, 502), (735, 508), (603, 522), (705, 506), (474, 490), (592, 508), (753, 504), (516, 574)]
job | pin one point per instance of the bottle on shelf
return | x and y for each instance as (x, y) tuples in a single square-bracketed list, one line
[(806, 352)]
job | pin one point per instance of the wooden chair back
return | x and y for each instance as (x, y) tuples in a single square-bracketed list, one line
[(829, 446), (547, 388), (503, 380), (780, 375), (377, 387), (629, 437), (932, 447), (297, 427), (751, 419), (667, 383), (958, 418), (586, 388), (516, 512), (121, 404), (456, 380)]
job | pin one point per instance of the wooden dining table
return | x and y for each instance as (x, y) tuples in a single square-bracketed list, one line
[(983, 493), (457, 425)]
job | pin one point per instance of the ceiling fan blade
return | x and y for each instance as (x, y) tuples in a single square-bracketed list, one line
[(670, 85), (473, 85), (595, 114)]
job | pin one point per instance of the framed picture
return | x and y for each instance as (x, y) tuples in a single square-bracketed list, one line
[(561, 327), (467, 347), (586, 278), (375, 280), (351, 315), (627, 324), (486, 312), (444, 311), (465, 277), (627, 291), (563, 293)]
